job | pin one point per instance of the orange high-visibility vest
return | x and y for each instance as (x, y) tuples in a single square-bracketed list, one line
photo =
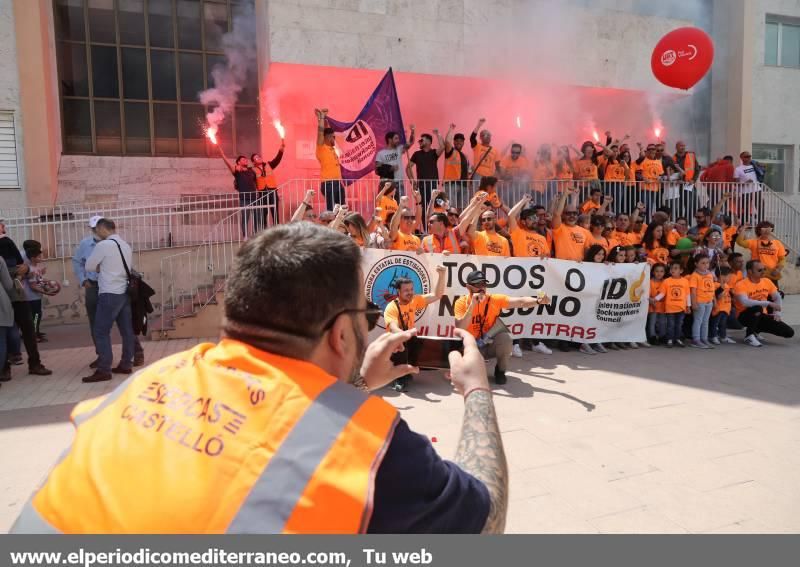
[(450, 243), (220, 438), (452, 166), (689, 165), (265, 178)]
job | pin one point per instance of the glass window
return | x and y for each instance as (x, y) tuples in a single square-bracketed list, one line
[(771, 47), (162, 65), (102, 28), (137, 128), (211, 62), (773, 158), (247, 135), (193, 117), (107, 126), (166, 124), (104, 71), (790, 45), (77, 126), (160, 19), (131, 22), (134, 73), (189, 31), (215, 24), (191, 76), (72, 70), (69, 22)]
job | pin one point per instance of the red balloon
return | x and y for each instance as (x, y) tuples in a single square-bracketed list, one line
[(682, 57)]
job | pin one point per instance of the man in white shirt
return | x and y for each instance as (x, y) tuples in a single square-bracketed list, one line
[(746, 173), (389, 160), (113, 303)]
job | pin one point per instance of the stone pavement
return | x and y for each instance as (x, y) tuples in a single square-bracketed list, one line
[(647, 441)]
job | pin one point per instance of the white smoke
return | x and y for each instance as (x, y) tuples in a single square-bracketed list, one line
[(229, 79)]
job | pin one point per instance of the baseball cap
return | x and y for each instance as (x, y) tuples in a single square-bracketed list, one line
[(93, 221), (476, 277)]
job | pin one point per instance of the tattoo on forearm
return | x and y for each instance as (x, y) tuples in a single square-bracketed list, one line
[(480, 453)]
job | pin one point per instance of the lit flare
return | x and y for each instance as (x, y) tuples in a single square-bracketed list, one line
[(211, 132), (596, 136), (519, 122), (657, 132), (279, 127)]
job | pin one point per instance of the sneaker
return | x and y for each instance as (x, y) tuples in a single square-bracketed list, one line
[(708, 344), (680, 343), (644, 345), (669, 343), (39, 370), (96, 377), (622, 346), (15, 359), (697, 343), (587, 349), (541, 348), (715, 341), (728, 341), (761, 338), (599, 348), (633, 345), (516, 351), (752, 340), (499, 377)]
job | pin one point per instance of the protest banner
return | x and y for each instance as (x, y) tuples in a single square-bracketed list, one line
[(589, 302)]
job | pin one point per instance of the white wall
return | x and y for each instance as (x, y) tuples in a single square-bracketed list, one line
[(9, 97), (776, 94)]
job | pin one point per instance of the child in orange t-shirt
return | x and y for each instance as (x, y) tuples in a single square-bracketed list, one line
[(677, 302), (701, 283), (656, 318), (718, 325)]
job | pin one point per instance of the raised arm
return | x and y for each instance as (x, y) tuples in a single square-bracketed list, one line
[(607, 200), (513, 214), (225, 159), (276, 161), (394, 227), (341, 211), (741, 238), (560, 204), (305, 205), (473, 137), (417, 209), (321, 125), (636, 213), (411, 138), (387, 186), (718, 207), (438, 291), (448, 141)]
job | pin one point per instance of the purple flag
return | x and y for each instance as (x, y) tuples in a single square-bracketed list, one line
[(366, 134)]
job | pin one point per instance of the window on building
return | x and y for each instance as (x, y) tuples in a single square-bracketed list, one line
[(775, 161), (9, 175), (130, 71), (782, 41)]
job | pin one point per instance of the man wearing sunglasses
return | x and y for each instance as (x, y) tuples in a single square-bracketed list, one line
[(570, 239), (265, 432), (758, 304), (401, 313), (403, 225)]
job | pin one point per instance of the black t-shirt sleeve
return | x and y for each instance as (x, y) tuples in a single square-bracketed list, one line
[(415, 157), (473, 140), (418, 492)]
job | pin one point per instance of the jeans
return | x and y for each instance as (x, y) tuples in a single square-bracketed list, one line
[(91, 312), (674, 325), (113, 307), (24, 319), (334, 193), (269, 201), (36, 311), (656, 324), (246, 201), (14, 341), (700, 322), (4, 331), (756, 321), (718, 325)]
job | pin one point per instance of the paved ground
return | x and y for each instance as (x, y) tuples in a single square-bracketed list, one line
[(646, 441)]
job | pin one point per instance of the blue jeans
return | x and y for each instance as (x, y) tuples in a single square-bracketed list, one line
[(248, 211), (14, 341), (656, 324), (700, 322), (334, 193), (4, 332), (718, 325), (113, 307), (674, 325)]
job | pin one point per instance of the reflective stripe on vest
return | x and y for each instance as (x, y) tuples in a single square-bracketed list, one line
[(689, 165), (452, 166), (268, 180), (221, 438), (430, 243)]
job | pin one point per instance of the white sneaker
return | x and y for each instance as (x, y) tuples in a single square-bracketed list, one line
[(541, 348), (644, 345), (633, 345), (761, 339), (599, 348), (752, 341), (587, 349), (728, 341), (715, 341), (516, 352)]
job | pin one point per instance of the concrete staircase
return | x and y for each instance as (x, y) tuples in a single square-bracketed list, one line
[(194, 315)]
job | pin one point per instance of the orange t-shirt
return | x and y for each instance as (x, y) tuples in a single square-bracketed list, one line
[(542, 170), (624, 238), (656, 289), (704, 286), (736, 277), (570, 242), (517, 168), (490, 244), (769, 253), (407, 242), (606, 243), (388, 206), (729, 236), (676, 292), (757, 292), (723, 300), (405, 318), (652, 169), (529, 243), (614, 172), (328, 162), (484, 314), (585, 170), (673, 236), (589, 206), (658, 255), (489, 164)]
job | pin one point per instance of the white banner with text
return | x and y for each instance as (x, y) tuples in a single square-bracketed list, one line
[(589, 303)]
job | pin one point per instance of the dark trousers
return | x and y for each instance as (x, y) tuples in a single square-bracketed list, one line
[(426, 188), (3, 349), (248, 211), (24, 320), (756, 321), (36, 311), (675, 325), (269, 201), (334, 193), (91, 312), (718, 325)]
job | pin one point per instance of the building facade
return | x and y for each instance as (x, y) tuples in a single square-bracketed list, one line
[(99, 98)]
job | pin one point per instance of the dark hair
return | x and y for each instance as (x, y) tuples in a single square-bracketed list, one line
[(598, 220), (586, 144), (488, 181), (725, 271), (30, 246), (705, 210), (592, 251), (389, 135), (240, 157), (516, 146), (459, 136), (749, 266), (400, 282), (441, 217), (728, 158), (595, 190), (649, 239), (427, 137), (764, 224), (657, 265), (665, 210), (675, 263), (268, 287), (683, 219), (328, 131), (701, 256), (615, 252), (252, 156), (726, 219), (108, 224), (734, 256)]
